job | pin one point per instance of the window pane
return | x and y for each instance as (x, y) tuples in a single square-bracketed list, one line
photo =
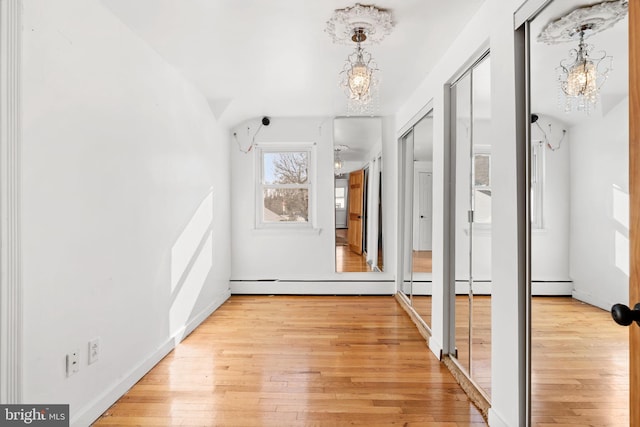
[(482, 206), (537, 178), (285, 167), (482, 170), (286, 205)]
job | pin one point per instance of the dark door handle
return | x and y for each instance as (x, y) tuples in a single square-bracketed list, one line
[(421, 216), (624, 316)]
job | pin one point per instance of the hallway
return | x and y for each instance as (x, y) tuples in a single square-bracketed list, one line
[(299, 360)]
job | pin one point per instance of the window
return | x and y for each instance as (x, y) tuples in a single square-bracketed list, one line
[(284, 186), (537, 181), (482, 188)]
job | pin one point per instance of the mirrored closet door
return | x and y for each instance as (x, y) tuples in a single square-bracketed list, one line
[(416, 213), (471, 195)]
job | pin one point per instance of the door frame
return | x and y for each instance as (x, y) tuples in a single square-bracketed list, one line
[(11, 288), (634, 206)]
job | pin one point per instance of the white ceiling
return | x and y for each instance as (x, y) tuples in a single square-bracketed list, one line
[(360, 134), (254, 58)]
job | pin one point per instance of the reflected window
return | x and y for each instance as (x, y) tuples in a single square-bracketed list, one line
[(482, 188), (284, 187), (537, 180)]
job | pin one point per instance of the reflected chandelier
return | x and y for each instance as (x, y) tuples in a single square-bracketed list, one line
[(359, 75), (337, 160), (582, 74)]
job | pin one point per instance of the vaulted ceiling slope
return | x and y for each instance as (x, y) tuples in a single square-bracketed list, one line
[(256, 57)]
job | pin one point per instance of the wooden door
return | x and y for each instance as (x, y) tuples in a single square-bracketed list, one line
[(356, 202), (634, 204)]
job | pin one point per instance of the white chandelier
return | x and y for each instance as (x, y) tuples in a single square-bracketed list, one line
[(359, 79), (582, 74), (359, 75), (337, 159)]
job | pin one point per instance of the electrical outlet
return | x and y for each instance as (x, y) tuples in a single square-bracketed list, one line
[(73, 362), (94, 350)]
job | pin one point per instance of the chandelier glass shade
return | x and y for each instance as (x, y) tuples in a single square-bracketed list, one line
[(337, 165), (337, 160), (359, 80), (581, 76)]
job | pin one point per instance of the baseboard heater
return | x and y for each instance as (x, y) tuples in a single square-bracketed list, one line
[(313, 287)]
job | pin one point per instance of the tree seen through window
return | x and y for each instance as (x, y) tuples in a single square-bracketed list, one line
[(286, 186)]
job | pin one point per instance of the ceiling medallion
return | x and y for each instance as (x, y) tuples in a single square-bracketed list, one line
[(374, 22), (584, 22)]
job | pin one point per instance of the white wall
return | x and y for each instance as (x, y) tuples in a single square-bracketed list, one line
[(126, 194), (299, 255), (550, 245), (600, 205)]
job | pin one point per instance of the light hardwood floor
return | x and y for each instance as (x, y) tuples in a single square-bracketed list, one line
[(299, 361), (580, 364), (422, 262), (289, 361), (347, 261), (580, 360)]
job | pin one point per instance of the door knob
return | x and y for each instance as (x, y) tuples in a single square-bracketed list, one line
[(624, 316)]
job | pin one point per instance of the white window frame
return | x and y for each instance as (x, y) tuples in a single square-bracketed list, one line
[(537, 184), (260, 151)]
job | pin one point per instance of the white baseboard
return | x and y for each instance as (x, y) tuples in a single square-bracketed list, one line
[(99, 405), (346, 287), (551, 288), (200, 317), (495, 420), (590, 299), (537, 288)]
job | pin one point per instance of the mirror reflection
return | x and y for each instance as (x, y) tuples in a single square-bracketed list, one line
[(471, 153), (422, 217), (579, 211), (406, 203), (416, 199), (358, 194)]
